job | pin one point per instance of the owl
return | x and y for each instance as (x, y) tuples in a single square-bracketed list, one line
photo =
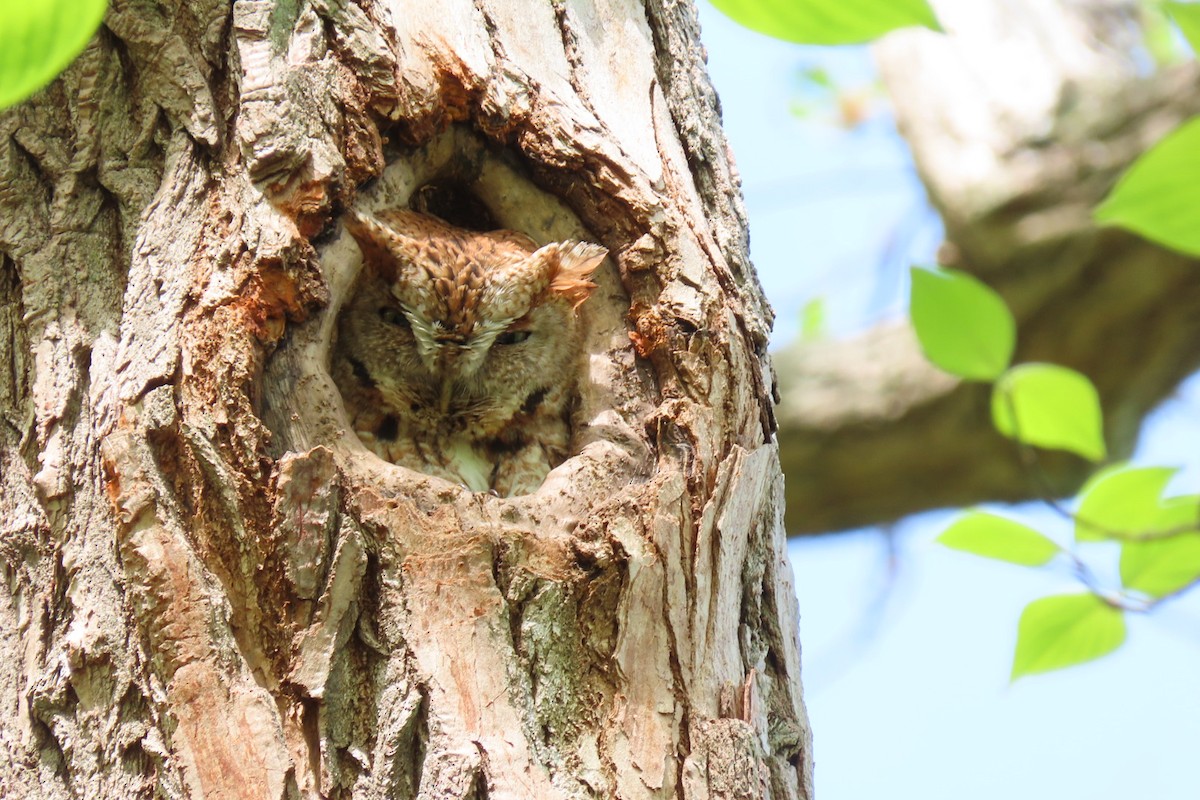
[(457, 352)]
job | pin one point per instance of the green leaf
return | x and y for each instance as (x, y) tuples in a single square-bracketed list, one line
[(992, 536), (1160, 37), (804, 109), (1065, 630), (1159, 567), (828, 21), (818, 76), (963, 326), (812, 320), (1121, 502), (1158, 196), (1055, 408), (1187, 17), (39, 38)]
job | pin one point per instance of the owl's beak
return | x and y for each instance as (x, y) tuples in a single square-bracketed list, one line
[(448, 369), (456, 361)]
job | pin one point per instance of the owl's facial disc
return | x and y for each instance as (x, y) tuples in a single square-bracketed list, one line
[(451, 356)]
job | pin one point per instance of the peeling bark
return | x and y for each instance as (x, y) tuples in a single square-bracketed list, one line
[(213, 589)]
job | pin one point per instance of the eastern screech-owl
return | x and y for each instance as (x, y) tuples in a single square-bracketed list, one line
[(458, 351)]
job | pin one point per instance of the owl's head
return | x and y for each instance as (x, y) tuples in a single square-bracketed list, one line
[(477, 307)]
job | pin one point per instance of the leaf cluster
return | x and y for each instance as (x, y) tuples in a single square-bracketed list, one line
[(966, 329)]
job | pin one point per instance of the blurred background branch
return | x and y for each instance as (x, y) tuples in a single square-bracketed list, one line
[(1020, 120)]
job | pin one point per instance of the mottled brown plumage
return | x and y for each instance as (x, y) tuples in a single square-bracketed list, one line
[(458, 351)]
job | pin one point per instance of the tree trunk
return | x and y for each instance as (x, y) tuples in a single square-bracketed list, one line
[(213, 589)]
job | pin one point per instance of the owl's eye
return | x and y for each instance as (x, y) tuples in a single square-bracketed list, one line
[(393, 316), (513, 337)]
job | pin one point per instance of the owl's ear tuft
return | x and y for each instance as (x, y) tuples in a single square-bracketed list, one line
[(572, 265), (372, 238), (383, 244)]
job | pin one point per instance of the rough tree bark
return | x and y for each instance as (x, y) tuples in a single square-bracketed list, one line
[(211, 590), (1020, 120)]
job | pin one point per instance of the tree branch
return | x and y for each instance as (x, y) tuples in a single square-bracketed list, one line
[(871, 432)]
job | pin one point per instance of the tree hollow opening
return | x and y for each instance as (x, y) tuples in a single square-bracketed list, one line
[(458, 342)]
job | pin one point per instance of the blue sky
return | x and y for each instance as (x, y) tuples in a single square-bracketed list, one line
[(907, 645)]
